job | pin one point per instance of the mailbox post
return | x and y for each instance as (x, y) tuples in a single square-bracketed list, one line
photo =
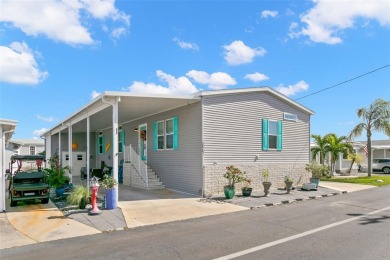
[(94, 184)]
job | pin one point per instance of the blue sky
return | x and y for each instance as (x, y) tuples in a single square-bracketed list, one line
[(56, 55)]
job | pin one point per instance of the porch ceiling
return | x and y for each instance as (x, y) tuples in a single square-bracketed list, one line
[(130, 108)]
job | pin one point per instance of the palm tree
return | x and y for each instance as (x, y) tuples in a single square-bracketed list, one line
[(320, 148), (354, 157), (375, 118), (335, 146)]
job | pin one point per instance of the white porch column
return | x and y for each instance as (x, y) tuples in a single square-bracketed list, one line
[(59, 148), (88, 152), (48, 148), (2, 169), (115, 142), (70, 162)]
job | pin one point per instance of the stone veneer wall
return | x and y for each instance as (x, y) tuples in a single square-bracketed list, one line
[(126, 173), (213, 180)]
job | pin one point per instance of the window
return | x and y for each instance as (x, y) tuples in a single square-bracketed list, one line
[(290, 117), (272, 135), (100, 143), (121, 140), (160, 135), (166, 134), (79, 157), (32, 150), (67, 157), (169, 134)]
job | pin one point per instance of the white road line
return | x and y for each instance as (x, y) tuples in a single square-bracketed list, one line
[(286, 239)]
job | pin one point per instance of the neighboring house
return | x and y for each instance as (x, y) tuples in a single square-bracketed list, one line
[(23, 147), (188, 141), (7, 128), (380, 149)]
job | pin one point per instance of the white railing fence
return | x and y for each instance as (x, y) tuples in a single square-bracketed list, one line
[(132, 156)]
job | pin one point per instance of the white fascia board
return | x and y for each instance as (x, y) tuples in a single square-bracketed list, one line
[(71, 119), (8, 122), (129, 94), (258, 89)]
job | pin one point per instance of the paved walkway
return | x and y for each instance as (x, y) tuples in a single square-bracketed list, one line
[(34, 223)]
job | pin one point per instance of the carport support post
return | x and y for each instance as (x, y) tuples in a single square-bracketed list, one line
[(70, 141), (115, 142), (88, 152)]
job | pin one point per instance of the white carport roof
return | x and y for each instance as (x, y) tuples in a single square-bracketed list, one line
[(132, 106)]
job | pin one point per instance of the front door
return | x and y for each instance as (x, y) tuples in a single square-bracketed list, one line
[(78, 160), (142, 142)]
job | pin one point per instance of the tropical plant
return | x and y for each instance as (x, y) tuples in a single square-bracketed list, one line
[(320, 148), (354, 157), (247, 184), (265, 174), (287, 178), (336, 146), (374, 118), (79, 196), (109, 182), (234, 175), (317, 170), (56, 175)]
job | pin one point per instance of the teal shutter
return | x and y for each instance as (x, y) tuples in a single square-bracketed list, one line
[(103, 145), (123, 140), (279, 138), (265, 134), (175, 133), (155, 139)]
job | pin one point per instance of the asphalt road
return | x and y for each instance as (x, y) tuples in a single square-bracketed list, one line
[(350, 226)]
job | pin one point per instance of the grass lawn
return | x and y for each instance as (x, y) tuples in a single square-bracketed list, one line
[(373, 180)]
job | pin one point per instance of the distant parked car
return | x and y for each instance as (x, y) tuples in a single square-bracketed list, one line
[(381, 164), (378, 164)]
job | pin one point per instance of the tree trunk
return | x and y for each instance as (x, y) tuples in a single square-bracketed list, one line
[(369, 153), (350, 168)]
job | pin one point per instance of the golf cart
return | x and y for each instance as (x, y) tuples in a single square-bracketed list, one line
[(28, 184)]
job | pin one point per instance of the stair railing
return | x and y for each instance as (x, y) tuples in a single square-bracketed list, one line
[(132, 156)]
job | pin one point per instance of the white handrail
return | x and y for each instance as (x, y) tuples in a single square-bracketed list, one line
[(139, 164)]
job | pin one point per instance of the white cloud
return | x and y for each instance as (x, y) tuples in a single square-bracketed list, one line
[(257, 77), (186, 45), (176, 86), (269, 13), (238, 53), (217, 80), (327, 19), (118, 32), (39, 132), (60, 20), (46, 119), (18, 65), (293, 89), (95, 94)]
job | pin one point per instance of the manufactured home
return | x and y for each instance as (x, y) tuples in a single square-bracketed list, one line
[(185, 143)]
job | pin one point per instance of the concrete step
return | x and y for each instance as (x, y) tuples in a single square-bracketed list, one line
[(148, 188)]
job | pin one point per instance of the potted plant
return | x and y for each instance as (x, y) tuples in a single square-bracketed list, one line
[(57, 179), (80, 196), (109, 183), (288, 181), (317, 171), (247, 189), (266, 183), (234, 175)]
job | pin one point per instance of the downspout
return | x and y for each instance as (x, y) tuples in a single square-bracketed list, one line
[(115, 138), (2, 166)]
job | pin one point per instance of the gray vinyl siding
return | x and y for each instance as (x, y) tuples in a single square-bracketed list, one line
[(177, 169), (232, 126)]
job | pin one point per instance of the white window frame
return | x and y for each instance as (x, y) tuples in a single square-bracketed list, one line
[(269, 134), (286, 116), (166, 134), (30, 150), (163, 135), (100, 143)]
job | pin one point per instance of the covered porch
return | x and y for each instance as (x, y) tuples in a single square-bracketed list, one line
[(104, 131)]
